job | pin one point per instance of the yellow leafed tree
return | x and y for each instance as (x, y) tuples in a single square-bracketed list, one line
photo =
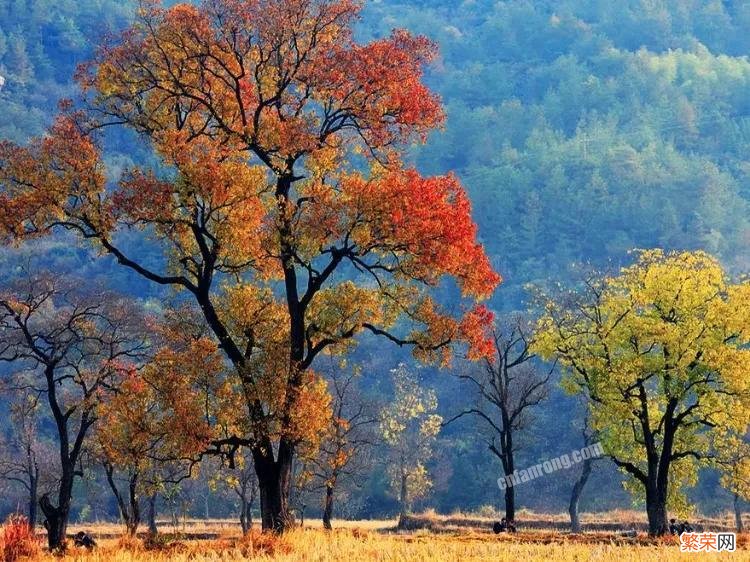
[(660, 351)]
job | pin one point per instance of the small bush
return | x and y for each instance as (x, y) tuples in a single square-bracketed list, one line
[(17, 540)]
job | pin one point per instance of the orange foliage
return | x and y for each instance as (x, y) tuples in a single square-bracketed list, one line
[(17, 541), (261, 111)]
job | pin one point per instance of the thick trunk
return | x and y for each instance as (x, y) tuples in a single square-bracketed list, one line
[(328, 508), (274, 507), (274, 483), (656, 509), (575, 496), (738, 514), (151, 515), (657, 480), (56, 522)]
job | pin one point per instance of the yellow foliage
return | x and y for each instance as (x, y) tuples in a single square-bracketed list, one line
[(662, 346)]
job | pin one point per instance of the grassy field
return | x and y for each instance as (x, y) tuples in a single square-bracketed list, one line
[(454, 537)]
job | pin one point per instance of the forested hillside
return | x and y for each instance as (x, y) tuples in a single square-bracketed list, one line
[(581, 129), (586, 129)]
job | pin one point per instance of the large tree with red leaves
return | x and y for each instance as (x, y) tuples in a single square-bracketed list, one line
[(282, 202)]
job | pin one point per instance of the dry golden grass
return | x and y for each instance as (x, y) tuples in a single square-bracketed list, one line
[(353, 545), (364, 541)]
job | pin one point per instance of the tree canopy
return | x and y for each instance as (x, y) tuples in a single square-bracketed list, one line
[(660, 351)]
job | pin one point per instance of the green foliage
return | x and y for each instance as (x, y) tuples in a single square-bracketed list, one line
[(41, 43), (583, 129)]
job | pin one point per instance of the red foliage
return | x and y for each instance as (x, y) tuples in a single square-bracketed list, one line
[(428, 220), (17, 540)]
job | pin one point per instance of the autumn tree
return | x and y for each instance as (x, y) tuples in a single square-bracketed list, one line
[(349, 437), (508, 386), (409, 427), (76, 344), (281, 201), (126, 438), (733, 461), (142, 437), (660, 353)]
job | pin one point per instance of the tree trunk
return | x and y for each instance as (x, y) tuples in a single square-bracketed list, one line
[(274, 483), (249, 515), (403, 499), (246, 515), (328, 508), (151, 516), (656, 509), (244, 509), (738, 514), (657, 480), (575, 496), (274, 505), (506, 443), (135, 508), (33, 493), (130, 512), (510, 503), (56, 522)]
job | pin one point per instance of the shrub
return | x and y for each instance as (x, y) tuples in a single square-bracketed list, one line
[(17, 540)]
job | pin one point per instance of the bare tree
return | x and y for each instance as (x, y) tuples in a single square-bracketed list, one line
[(74, 343), (26, 459), (589, 438), (245, 485), (351, 433), (508, 386)]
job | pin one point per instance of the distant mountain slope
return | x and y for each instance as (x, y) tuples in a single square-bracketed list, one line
[(586, 128)]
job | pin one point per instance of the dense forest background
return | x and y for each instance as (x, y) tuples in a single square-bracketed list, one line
[(581, 129)]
